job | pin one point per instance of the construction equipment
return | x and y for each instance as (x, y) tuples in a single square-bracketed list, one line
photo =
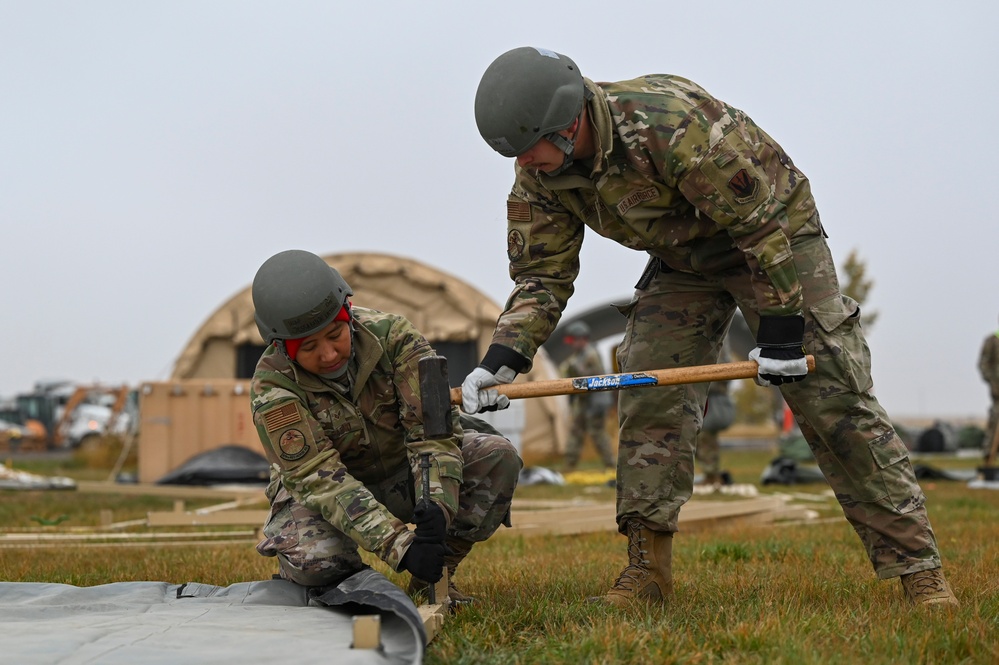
[(436, 410), (64, 415)]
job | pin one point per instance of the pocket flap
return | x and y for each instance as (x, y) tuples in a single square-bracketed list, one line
[(356, 504), (831, 312)]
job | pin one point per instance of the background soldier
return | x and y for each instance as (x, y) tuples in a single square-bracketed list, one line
[(336, 402), (588, 411), (659, 165), (988, 366), (718, 416)]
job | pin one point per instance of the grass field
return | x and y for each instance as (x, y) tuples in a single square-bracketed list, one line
[(778, 594)]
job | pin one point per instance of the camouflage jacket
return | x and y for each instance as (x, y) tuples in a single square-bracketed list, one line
[(586, 362), (988, 361), (325, 444), (678, 174), (582, 362)]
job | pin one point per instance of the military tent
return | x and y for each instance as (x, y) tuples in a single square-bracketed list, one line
[(455, 317)]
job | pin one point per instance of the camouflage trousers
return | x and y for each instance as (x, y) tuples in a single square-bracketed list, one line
[(312, 552), (680, 320), (721, 410), (992, 426), (583, 421), (708, 452)]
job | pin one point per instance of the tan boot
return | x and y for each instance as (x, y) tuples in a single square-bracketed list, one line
[(649, 573), (458, 550), (929, 588), (712, 479)]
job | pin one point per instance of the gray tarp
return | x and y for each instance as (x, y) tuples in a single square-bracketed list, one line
[(274, 621)]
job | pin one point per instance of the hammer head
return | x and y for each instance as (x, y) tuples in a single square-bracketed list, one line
[(436, 397)]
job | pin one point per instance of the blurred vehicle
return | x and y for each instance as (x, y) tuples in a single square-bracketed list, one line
[(15, 437), (65, 415)]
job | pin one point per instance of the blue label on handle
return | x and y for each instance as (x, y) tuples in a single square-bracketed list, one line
[(614, 382)]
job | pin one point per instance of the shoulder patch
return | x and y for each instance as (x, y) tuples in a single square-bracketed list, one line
[(515, 245), (290, 437), (281, 416), (292, 445), (518, 211), (744, 186)]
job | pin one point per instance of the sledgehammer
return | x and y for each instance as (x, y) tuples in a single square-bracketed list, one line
[(438, 396)]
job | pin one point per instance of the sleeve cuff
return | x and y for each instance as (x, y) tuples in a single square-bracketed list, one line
[(498, 355)]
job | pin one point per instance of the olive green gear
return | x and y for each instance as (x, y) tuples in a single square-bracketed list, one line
[(577, 329), (295, 294), (526, 94)]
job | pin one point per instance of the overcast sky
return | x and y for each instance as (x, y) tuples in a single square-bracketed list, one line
[(154, 154)]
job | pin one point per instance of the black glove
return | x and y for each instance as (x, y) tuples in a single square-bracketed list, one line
[(425, 561), (780, 351), (431, 525), (425, 557)]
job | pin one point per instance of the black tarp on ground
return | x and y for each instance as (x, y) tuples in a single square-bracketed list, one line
[(939, 438), (927, 472), (158, 623), (223, 465), (786, 471)]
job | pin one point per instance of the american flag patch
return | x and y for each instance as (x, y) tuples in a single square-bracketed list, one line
[(518, 211), (281, 416)]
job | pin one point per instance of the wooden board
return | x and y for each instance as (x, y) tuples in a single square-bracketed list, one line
[(173, 491), (433, 619), (695, 515), (222, 517)]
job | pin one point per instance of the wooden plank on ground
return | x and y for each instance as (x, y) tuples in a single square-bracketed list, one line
[(534, 504), (63, 538), (695, 515), (223, 517), (175, 491), (433, 619), (702, 515)]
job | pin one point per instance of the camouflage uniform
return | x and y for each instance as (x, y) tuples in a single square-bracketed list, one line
[(988, 365), (587, 411), (717, 417), (719, 413), (345, 460), (728, 221)]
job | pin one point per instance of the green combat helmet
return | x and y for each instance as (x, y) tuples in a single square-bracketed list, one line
[(295, 294), (527, 94), (577, 329)]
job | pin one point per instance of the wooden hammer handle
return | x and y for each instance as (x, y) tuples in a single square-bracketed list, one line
[(647, 379)]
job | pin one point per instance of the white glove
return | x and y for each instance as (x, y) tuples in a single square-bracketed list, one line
[(777, 371), (473, 396)]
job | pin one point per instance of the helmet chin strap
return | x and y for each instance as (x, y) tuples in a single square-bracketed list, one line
[(568, 145)]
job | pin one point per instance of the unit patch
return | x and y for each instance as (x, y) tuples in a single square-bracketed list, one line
[(515, 244), (292, 445), (744, 185), (633, 199)]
